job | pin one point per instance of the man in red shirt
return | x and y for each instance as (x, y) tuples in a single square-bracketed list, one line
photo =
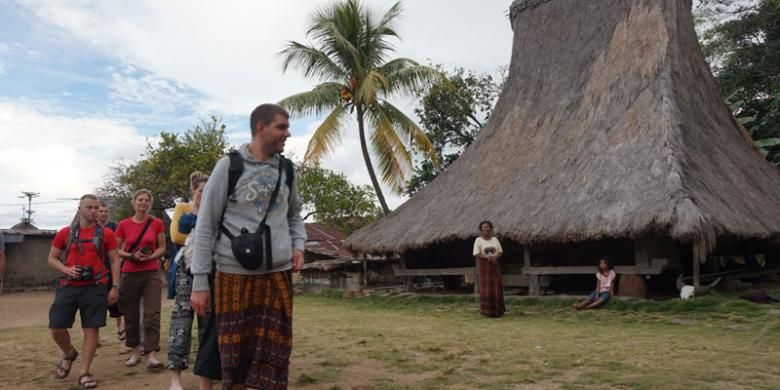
[(80, 251)]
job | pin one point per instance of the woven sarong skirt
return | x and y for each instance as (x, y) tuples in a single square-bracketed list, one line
[(254, 328), (491, 289)]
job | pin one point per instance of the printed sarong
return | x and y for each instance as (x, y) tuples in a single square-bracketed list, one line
[(254, 328)]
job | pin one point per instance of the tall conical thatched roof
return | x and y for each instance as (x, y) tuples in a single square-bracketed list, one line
[(610, 125)]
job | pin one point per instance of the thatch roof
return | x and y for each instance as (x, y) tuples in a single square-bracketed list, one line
[(610, 125)]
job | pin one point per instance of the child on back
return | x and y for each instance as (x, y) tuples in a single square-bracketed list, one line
[(605, 287)]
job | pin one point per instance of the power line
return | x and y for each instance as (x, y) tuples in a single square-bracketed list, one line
[(48, 202)]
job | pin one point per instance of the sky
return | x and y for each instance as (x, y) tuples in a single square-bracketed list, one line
[(85, 84)]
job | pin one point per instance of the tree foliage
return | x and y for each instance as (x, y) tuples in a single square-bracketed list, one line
[(741, 40), (350, 56), (164, 168), (452, 112), (331, 199)]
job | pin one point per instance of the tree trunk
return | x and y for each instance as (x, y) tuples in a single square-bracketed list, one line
[(367, 159)]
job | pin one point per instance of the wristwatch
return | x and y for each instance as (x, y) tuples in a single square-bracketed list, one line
[(115, 286)]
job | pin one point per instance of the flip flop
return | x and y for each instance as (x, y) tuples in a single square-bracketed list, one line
[(90, 383), (61, 365)]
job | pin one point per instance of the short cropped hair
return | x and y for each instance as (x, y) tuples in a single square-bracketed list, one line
[(264, 114), (88, 196)]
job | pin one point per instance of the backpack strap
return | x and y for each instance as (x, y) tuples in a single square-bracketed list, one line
[(97, 241), (73, 235), (234, 173), (289, 172)]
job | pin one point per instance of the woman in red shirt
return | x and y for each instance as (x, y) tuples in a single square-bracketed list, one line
[(141, 240)]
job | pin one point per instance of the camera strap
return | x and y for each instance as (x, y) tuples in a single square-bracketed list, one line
[(262, 229), (140, 236)]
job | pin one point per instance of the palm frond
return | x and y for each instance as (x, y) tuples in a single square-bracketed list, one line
[(367, 91), (326, 137), (405, 76), (313, 62), (394, 158), (335, 29), (390, 16), (408, 128), (322, 98)]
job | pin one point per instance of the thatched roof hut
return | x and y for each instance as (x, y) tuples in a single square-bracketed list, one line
[(610, 126)]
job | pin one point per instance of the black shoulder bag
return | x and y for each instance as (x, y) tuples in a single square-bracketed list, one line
[(249, 248)]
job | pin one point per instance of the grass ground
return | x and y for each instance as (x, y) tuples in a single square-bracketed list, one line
[(424, 342)]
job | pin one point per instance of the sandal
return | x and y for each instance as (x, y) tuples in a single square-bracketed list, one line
[(121, 335), (89, 383), (61, 365)]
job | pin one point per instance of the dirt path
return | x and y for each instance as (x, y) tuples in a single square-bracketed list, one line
[(25, 309), (25, 316)]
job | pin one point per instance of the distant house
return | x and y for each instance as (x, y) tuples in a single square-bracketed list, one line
[(27, 250), (323, 243), (329, 265)]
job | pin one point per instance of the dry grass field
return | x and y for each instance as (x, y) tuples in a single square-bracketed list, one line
[(441, 342)]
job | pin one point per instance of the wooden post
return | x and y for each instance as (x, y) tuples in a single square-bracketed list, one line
[(533, 280), (526, 256), (365, 271), (408, 281), (698, 253), (476, 278)]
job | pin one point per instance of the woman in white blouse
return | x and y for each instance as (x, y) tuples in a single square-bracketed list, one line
[(487, 253)]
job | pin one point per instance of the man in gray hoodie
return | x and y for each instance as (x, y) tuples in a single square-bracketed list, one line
[(253, 308)]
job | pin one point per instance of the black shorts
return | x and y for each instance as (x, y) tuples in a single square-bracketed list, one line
[(90, 301)]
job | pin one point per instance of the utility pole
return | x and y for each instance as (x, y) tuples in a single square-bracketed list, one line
[(29, 195)]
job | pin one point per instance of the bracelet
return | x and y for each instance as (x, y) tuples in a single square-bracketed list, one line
[(115, 286)]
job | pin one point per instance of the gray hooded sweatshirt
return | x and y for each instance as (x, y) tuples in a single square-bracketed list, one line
[(246, 209)]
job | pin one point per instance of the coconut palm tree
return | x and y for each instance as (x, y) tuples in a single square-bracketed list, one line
[(349, 56)]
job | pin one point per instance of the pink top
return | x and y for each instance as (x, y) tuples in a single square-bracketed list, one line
[(605, 280)]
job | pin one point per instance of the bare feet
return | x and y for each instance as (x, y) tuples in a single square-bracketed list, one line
[(133, 360), (152, 363), (175, 386)]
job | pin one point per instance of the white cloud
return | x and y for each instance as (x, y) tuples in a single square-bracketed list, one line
[(228, 49), (129, 87), (58, 156), (221, 57)]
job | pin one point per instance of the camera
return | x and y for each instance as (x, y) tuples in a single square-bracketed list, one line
[(85, 273), (146, 251)]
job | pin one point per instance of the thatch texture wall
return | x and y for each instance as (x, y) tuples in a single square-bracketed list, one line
[(610, 126)]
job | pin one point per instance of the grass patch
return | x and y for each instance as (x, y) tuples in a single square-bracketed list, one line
[(441, 342)]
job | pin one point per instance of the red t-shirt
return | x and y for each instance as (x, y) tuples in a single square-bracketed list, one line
[(129, 230), (84, 252)]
